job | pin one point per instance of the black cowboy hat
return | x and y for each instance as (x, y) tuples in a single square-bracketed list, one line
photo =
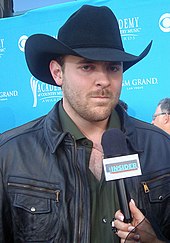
[(91, 32)]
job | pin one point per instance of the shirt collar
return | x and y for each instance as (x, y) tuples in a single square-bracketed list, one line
[(69, 126)]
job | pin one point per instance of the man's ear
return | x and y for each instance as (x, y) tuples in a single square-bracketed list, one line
[(56, 72), (166, 119)]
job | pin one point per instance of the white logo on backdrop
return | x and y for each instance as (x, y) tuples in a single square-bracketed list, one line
[(44, 92), (139, 83), (5, 95), (129, 28), (21, 42), (2, 48), (164, 22)]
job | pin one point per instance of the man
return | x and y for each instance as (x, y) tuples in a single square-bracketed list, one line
[(54, 188), (161, 118)]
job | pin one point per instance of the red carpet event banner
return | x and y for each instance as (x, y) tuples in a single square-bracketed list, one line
[(23, 97)]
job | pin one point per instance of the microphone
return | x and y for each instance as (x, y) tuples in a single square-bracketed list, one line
[(114, 145)]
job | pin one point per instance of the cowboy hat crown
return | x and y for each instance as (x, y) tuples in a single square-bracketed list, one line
[(91, 32)]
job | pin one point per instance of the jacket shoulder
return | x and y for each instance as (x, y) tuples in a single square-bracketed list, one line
[(148, 128), (24, 129)]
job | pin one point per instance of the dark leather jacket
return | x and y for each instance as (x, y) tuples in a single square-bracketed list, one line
[(44, 193)]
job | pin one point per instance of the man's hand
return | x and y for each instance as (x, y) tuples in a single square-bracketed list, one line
[(139, 230)]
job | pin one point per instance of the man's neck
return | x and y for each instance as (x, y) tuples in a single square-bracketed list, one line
[(93, 130)]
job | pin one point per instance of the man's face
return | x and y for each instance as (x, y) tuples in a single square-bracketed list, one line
[(90, 89), (158, 118)]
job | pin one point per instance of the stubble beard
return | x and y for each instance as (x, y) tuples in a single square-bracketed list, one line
[(86, 109)]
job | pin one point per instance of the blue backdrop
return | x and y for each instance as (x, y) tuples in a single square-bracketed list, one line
[(23, 98)]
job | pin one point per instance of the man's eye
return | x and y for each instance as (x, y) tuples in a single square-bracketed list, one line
[(115, 68), (87, 67)]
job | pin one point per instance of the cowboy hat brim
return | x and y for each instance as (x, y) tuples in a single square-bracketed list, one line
[(40, 49)]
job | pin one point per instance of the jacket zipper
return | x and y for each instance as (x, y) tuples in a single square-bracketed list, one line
[(145, 187), (145, 183), (80, 191), (35, 188)]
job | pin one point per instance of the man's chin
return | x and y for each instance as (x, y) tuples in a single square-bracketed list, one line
[(97, 115)]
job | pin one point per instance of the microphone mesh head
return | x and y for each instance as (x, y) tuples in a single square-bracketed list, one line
[(114, 143)]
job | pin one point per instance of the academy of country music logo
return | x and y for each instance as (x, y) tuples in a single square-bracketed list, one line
[(129, 28), (164, 22), (2, 47), (139, 83), (43, 92)]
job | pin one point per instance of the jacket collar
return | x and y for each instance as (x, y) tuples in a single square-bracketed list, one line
[(54, 134), (53, 129), (128, 127)]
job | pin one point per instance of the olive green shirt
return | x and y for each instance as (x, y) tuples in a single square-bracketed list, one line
[(104, 201)]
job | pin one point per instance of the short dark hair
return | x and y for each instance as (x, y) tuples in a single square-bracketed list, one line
[(60, 60), (165, 105)]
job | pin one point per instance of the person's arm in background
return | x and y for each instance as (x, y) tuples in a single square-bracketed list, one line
[(143, 233)]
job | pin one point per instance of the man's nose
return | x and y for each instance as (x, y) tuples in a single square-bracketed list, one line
[(102, 78)]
